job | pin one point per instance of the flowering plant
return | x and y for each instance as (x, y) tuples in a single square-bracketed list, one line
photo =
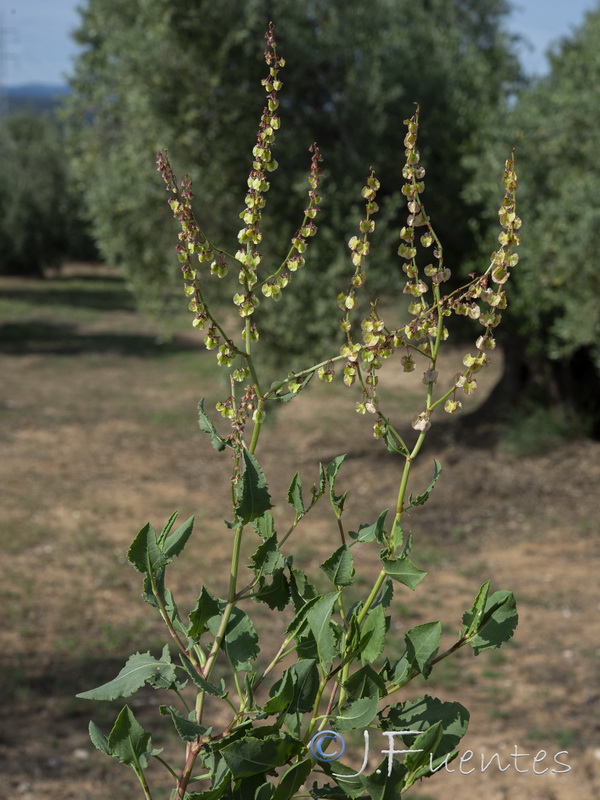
[(330, 675)]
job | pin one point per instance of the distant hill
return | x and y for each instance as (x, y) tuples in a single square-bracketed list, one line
[(42, 97)]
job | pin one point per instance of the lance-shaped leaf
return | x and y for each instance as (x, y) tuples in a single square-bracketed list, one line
[(419, 714), (422, 645), (478, 609), (176, 541), (207, 607), (372, 638), (357, 714), (370, 533), (404, 571), (339, 567), (264, 525), (199, 681), (167, 528), (319, 622), (240, 643), (383, 783), (207, 426), (275, 594), (337, 500), (420, 499), (365, 682), (187, 727), (281, 694), (285, 397), (292, 780), (346, 778), (144, 553), (251, 756), (295, 495), (254, 498), (428, 743), (498, 622), (129, 742), (99, 739), (140, 668), (267, 557)]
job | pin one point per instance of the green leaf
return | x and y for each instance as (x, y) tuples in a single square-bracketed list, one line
[(264, 525), (331, 472), (420, 499), (293, 779), (281, 694), (306, 685), (422, 645), (254, 497), (267, 557), (206, 426), (251, 756), (357, 714), (319, 622), (99, 739), (498, 622), (167, 528), (372, 639), (175, 543), (140, 668), (129, 742), (370, 533), (404, 571), (240, 643), (198, 680), (346, 778), (383, 784), (428, 742), (206, 607), (301, 588), (387, 593), (339, 567), (419, 714), (144, 553), (275, 594), (478, 608), (365, 682), (295, 495), (187, 727)]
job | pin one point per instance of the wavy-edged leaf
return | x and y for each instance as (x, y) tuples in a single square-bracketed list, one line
[(498, 622), (254, 498), (365, 682), (275, 594), (140, 668), (240, 643), (281, 694), (207, 426), (339, 567), (206, 607), (383, 783), (370, 533), (422, 645), (295, 495), (418, 715), (319, 622), (187, 727), (198, 680), (478, 608), (251, 756), (357, 714), (404, 571), (267, 557), (420, 499), (331, 472), (129, 742), (99, 739), (144, 553), (177, 540), (264, 525), (372, 638), (292, 779)]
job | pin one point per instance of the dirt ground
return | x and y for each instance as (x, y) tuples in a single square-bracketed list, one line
[(98, 435)]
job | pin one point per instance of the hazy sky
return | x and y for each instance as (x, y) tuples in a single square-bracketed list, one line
[(35, 46)]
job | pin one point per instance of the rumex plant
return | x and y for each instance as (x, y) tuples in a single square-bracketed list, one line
[(330, 675)]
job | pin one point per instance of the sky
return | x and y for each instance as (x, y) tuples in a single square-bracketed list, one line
[(35, 46)]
